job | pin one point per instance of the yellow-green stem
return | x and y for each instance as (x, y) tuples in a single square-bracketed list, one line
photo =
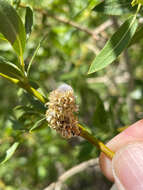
[(26, 86), (15, 81), (33, 91), (121, 129), (85, 134)]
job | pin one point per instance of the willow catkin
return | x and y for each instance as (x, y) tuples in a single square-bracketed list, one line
[(61, 111)]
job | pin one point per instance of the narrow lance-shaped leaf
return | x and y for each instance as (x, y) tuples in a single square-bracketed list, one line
[(34, 54), (115, 7), (115, 45), (2, 37), (12, 27), (28, 20), (135, 2), (9, 153), (137, 36), (93, 4), (10, 69), (39, 125)]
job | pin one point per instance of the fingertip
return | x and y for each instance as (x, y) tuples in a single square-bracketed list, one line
[(131, 134), (127, 167)]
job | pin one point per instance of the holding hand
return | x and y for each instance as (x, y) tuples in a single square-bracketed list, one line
[(126, 168)]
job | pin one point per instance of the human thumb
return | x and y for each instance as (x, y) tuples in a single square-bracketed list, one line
[(127, 167)]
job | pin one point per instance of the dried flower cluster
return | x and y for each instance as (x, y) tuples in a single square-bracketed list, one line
[(61, 111)]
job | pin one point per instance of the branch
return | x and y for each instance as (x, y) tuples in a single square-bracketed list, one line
[(76, 169), (103, 27), (94, 34)]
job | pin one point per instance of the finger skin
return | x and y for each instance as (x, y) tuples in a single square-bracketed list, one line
[(127, 167), (134, 133)]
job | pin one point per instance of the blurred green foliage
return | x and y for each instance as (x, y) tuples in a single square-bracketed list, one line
[(108, 99)]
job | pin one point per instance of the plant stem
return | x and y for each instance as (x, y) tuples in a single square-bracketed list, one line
[(121, 129), (85, 134), (15, 81), (33, 91), (26, 86)]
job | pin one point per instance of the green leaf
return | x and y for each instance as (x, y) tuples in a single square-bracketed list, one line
[(10, 152), (10, 69), (115, 7), (115, 45), (12, 27), (93, 3), (34, 54), (135, 2), (137, 36), (28, 20), (39, 125), (2, 37)]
